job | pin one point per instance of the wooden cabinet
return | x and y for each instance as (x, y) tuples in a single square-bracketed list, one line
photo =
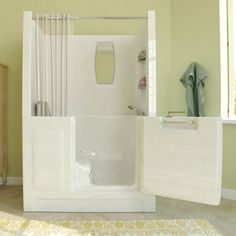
[(3, 123)]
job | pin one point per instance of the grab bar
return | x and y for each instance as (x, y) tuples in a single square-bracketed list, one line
[(179, 122)]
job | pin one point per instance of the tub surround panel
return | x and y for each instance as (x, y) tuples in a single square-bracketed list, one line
[(91, 98)]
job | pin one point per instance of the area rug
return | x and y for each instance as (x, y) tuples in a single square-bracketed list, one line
[(181, 227)]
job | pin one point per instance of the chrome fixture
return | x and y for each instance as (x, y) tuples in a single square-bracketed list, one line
[(139, 113), (191, 122), (55, 17)]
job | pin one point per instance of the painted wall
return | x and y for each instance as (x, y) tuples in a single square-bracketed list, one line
[(229, 157), (195, 37)]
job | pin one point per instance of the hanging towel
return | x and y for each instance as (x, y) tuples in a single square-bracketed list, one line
[(42, 109), (194, 81)]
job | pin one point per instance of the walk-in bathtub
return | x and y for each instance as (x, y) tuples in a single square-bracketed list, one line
[(99, 174), (85, 146), (81, 142)]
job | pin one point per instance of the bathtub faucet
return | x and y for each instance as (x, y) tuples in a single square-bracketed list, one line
[(139, 112)]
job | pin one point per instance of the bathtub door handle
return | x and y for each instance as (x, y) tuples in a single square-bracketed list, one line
[(179, 122)]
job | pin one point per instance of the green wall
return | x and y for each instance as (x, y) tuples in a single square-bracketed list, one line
[(187, 30), (195, 37)]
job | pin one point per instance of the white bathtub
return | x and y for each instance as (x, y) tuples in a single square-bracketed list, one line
[(105, 151), (95, 170), (114, 160)]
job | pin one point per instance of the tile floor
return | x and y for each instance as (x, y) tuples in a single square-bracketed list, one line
[(222, 217)]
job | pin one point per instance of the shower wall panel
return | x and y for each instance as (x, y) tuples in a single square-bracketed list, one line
[(91, 98)]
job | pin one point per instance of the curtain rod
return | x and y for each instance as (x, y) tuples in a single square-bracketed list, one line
[(94, 17)]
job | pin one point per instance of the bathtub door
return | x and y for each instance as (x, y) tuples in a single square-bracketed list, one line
[(182, 158)]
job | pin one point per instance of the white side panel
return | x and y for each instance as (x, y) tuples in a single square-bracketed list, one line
[(26, 62), (49, 147), (48, 159), (151, 66), (182, 158)]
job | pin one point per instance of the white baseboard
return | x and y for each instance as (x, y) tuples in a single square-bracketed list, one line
[(228, 193), (13, 181)]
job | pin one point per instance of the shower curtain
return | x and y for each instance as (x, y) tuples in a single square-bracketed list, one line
[(53, 80)]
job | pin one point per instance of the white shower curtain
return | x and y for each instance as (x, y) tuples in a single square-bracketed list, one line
[(53, 82)]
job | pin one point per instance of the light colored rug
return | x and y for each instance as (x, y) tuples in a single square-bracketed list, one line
[(24, 227)]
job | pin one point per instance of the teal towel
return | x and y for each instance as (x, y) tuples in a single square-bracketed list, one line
[(194, 81)]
